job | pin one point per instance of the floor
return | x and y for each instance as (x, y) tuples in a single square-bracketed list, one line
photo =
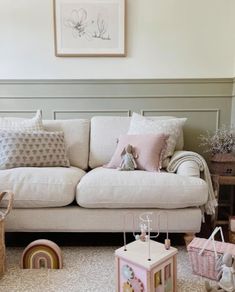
[(85, 269), (87, 246)]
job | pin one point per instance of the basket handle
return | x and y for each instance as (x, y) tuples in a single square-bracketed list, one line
[(212, 237), (10, 203)]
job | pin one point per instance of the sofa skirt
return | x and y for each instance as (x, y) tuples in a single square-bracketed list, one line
[(76, 219)]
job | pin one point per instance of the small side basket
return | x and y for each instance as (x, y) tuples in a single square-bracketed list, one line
[(223, 164), (9, 195)]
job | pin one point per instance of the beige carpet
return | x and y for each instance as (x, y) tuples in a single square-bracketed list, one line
[(86, 269)]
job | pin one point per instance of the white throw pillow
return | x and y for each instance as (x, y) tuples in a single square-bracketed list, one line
[(19, 124), (171, 127)]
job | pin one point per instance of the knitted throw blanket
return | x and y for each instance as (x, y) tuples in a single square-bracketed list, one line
[(182, 156)]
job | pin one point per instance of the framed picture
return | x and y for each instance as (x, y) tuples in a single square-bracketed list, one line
[(89, 28)]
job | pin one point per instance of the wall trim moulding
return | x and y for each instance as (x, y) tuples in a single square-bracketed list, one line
[(119, 97), (119, 81), (111, 111), (233, 94), (18, 111), (188, 110)]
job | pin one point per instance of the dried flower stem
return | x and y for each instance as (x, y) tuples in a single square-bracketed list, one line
[(221, 141)]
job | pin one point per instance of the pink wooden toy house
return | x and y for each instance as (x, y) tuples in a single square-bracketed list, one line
[(135, 273), (146, 266)]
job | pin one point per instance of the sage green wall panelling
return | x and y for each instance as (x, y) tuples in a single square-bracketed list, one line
[(205, 102)]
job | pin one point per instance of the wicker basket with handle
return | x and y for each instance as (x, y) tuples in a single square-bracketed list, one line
[(9, 195), (204, 255)]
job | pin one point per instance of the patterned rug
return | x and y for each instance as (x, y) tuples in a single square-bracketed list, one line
[(86, 269)]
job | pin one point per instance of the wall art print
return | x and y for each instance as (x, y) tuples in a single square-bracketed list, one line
[(89, 28)]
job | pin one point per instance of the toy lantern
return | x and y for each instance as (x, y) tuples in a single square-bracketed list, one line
[(146, 265)]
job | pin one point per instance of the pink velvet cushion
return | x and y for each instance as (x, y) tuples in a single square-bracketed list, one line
[(148, 148)]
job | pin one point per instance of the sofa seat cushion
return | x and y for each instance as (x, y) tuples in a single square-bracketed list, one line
[(36, 187), (110, 188)]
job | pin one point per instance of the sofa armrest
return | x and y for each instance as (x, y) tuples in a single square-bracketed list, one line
[(189, 168), (190, 163)]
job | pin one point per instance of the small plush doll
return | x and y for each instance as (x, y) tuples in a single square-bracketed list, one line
[(227, 279), (212, 289), (226, 283), (128, 159)]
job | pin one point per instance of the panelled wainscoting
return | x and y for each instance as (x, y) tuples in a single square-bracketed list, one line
[(207, 103)]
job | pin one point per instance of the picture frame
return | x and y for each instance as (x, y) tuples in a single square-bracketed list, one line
[(89, 28)]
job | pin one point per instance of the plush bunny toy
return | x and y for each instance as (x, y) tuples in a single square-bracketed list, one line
[(212, 289), (227, 280), (128, 159), (228, 269)]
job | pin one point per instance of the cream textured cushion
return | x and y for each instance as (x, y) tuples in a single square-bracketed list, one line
[(76, 133), (110, 188), (20, 124), (41, 187), (105, 132), (171, 127), (19, 149)]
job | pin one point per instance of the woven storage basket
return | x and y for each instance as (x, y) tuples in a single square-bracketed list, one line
[(232, 229), (204, 264), (3, 215), (223, 164), (231, 236)]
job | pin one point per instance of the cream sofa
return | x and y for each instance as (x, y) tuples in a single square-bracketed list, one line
[(89, 198)]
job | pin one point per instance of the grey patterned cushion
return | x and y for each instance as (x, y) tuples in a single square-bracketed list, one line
[(39, 149)]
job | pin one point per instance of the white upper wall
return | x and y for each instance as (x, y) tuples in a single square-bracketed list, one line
[(165, 39)]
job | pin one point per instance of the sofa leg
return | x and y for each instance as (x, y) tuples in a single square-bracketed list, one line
[(188, 237)]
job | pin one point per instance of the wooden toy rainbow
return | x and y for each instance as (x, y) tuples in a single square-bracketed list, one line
[(42, 253)]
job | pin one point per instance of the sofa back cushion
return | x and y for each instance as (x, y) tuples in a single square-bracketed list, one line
[(104, 135), (76, 133)]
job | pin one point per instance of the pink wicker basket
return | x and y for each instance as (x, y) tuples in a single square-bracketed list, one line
[(204, 264)]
